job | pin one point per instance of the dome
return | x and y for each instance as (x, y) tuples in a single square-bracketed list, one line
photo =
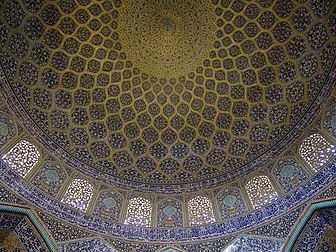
[(115, 109)]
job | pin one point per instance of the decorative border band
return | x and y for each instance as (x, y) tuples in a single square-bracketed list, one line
[(6, 87), (297, 197), (301, 225), (42, 232)]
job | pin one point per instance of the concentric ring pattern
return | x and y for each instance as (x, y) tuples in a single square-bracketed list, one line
[(166, 92)]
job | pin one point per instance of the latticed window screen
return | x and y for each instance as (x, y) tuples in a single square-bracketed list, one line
[(139, 212), (22, 157), (260, 191), (200, 211), (317, 151), (78, 194)]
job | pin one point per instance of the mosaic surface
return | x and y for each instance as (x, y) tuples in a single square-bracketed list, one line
[(80, 72), (206, 246), (170, 213), (289, 173), (279, 228), (9, 242), (231, 203), (75, 76), (108, 205), (251, 244), (329, 122), (298, 197), (93, 245), (23, 236), (7, 128), (50, 177), (275, 228), (160, 36), (328, 240), (61, 231), (317, 234), (27, 235)]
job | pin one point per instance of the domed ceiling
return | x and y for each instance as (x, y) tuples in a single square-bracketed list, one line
[(162, 93)]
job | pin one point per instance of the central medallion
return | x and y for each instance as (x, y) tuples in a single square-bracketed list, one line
[(167, 38), (168, 25)]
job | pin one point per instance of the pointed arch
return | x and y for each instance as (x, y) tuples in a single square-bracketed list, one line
[(139, 212), (200, 211), (78, 194), (260, 191), (22, 157), (316, 151)]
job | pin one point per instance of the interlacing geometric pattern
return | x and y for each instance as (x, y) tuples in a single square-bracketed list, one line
[(50, 177), (7, 128), (317, 151), (289, 173), (260, 191), (145, 25), (227, 79), (79, 194), (108, 205), (231, 203), (168, 108), (169, 213), (22, 157), (139, 212), (200, 211)]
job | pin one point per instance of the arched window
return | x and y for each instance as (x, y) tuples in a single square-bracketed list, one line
[(22, 157), (139, 212), (200, 211), (78, 194), (316, 151), (260, 191)]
